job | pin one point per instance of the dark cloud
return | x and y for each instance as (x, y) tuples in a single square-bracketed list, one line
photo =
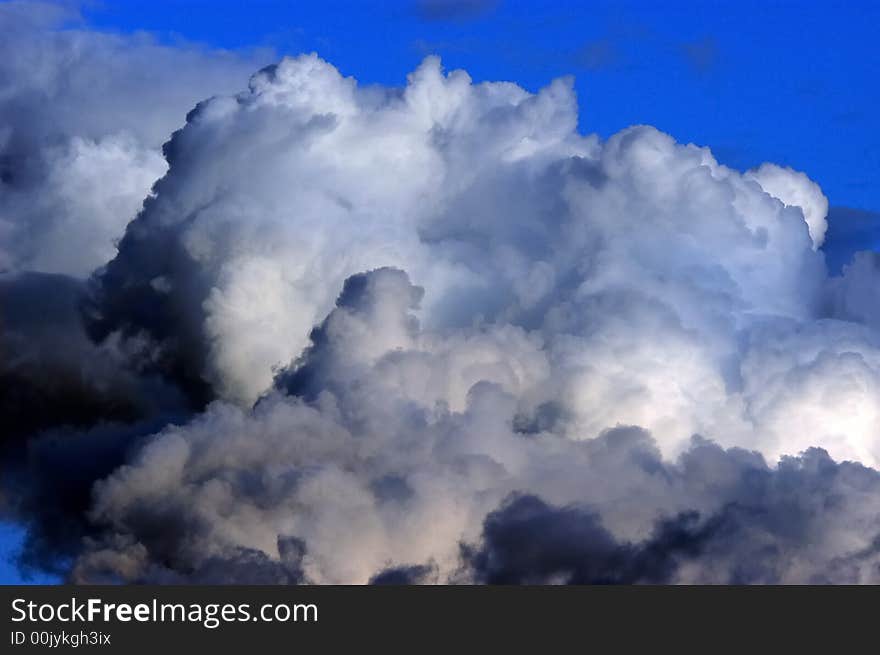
[(71, 410), (236, 566), (45, 351), (50, 491), (405, 575), (247, 566), (528, 542), (145, 310), (83, 117), (53, 375), (764, 528)]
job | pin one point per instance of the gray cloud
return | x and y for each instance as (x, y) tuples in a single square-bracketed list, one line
[(761, 533), (357, 442), (71, 411), (405, 575)]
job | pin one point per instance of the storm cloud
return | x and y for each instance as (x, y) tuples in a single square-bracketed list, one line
[(334, 333)]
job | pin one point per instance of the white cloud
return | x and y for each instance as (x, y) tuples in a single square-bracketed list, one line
[(797, 190), (642, 266), (558, 288), (84, 115)]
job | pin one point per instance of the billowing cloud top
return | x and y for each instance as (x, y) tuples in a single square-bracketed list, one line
[(435, 333), (654, 278)]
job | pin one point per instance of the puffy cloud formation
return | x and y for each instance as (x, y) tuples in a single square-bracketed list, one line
[(640, 281), (431, 334), (387, 450), (70, 410), (83, 116), (797, 190)]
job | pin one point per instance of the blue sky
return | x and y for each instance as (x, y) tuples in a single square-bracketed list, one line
[(10, 537), (789, 82)]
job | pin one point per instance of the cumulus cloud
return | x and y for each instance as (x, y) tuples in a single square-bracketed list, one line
[(768, 527), (796, 189), (83, 115), (71, 409), (435, 333), (367, 453), (507, 216)]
